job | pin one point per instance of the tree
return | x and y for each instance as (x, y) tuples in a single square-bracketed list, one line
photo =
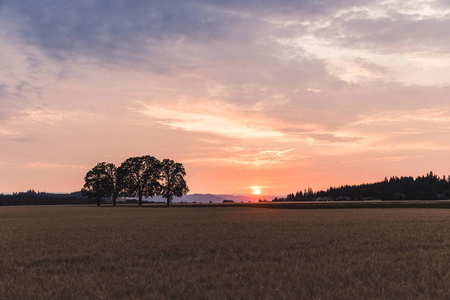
[(172, 180), (140, 175), (102, 181)]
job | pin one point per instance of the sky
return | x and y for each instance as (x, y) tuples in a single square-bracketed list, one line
[(282, 95)]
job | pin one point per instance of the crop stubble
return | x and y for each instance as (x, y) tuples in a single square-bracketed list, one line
[(222, 253)]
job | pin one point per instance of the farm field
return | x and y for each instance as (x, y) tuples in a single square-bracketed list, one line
[(78, 252)]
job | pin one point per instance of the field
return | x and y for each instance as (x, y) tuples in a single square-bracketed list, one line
[(78, 252)]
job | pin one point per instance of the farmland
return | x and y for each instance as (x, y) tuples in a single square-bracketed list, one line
[(77, 252)]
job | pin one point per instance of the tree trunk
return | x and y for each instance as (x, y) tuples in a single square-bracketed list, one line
[(98, 201), (168, 201), (114, 200), (140, 199)]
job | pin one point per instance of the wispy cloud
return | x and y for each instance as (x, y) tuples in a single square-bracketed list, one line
[(434, 115), (222, 125), (41, 115), (249, 157), (7, 133), (383, 159), (51, 165)]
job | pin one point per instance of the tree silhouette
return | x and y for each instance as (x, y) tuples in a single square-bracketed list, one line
[(140, 176), (102, 181), (429, 187), (172, 180)]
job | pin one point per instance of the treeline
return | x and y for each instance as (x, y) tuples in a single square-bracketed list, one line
[(41, 198), (141, 176), (429, 187)]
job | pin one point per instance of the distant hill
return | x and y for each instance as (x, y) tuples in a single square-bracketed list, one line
[(206, 198)]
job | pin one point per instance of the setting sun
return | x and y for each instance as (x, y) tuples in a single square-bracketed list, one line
[(256, 191)]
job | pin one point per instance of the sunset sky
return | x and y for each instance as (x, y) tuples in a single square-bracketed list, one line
[(283, 95)]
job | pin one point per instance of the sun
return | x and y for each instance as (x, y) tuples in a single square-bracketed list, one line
[(256, 191)]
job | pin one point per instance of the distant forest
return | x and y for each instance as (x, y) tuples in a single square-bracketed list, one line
[(32, 197), (429, 187)]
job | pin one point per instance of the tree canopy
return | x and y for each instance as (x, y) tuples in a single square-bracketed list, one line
[(140, 176), (172, 180), (101, 181), (143, 176)]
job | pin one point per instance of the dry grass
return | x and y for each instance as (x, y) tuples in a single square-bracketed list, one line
[(223, 253)]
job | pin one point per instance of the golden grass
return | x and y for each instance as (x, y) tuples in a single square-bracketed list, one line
[(223, 253)]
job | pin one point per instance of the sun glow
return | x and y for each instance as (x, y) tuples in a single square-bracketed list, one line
[(256, 190)]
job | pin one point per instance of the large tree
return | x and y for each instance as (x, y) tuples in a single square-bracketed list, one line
[(140, 176), (102, 181), (172, 180)]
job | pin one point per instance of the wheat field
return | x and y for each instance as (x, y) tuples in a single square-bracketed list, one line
[(79, 252)]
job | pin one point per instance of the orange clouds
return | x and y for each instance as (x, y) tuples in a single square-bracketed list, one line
[(321, 94)]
